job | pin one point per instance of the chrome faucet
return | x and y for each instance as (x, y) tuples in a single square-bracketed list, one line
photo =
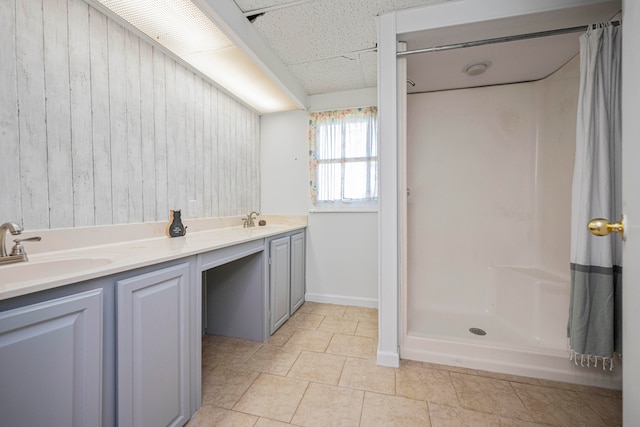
[(18, 253), (14, 229), (249, 220)]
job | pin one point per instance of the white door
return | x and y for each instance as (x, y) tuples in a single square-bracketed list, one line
[(631, 208)]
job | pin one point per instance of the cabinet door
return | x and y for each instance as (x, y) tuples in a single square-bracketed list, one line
[(153, 348), (51, 362), (297, 271), (279, 274)]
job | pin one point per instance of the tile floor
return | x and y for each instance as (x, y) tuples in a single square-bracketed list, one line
[(319, 369)]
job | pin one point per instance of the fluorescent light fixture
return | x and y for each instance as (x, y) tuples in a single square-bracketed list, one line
[(181, 27)]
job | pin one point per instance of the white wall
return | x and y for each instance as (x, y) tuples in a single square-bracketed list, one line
[(342, 251), (341, 247), (99, 126), (285, 163)]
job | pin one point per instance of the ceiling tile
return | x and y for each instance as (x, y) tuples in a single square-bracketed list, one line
[(331, 75), (317, 30), (249, 5), (316, 39)]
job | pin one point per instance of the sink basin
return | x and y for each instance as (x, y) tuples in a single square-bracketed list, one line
[(34, 270)]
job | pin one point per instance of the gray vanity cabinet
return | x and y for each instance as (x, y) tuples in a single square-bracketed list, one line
[(153, 348), (286, 277), (51, 362), (279, 280), (297, 271)]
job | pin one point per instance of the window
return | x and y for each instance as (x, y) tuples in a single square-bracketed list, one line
[(344, 157)]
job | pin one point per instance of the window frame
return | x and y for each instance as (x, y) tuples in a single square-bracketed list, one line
[(325, 119)]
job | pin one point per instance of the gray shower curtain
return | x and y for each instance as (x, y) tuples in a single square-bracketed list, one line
[(594, 327)]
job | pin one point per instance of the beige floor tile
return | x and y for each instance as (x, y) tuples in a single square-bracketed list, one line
[(329, 310), (271, 359), (223, 386), (218, 350), (392, 411), (307, 307), (364, 374), (432, 385), (282, 335), (448, 416), (367, 328), (266, 422), (489, 395), (273, 397), (352, 346), (324, 405), (211, 358), (507, 377), (210, 416), (307, 339), (578, 388), (556, 407), (507, 422), (338, 325), (317, 367), (305, 320), (228, 344), (308, 395), (408, 362), (609, 409), (458, 369), (360, 313)]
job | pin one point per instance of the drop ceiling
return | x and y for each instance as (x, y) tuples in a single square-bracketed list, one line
[(330, 45)]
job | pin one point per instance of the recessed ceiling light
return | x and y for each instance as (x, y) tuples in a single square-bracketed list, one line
[(476, 68)]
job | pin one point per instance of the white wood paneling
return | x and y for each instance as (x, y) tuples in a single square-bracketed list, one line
[(134, 129), (215, 150), (204, 205), (198, 147), (32, 116), (80, 109), (102, 127), (160, 133), (101, 130), (118, 122), (58, 125), (223, 169), (10, 208), (147, 134)]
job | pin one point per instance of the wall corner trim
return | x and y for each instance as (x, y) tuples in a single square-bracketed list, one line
[(388, 358)]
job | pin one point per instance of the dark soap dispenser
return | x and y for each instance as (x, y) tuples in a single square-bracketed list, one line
[(175, 227)]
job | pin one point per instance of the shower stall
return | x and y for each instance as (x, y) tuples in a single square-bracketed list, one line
[(483, 262), (489, 173)]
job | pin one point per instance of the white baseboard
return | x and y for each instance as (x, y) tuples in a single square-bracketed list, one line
[(388, 358), (343, 300)]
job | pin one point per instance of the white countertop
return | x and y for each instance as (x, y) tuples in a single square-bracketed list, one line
[(125, 247)]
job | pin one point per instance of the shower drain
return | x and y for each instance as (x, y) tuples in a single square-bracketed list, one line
[(477, 331)]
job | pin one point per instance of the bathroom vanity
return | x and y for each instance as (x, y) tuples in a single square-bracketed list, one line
[(117, 340)]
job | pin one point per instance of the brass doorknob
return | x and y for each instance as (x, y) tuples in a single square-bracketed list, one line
[(602, 227)]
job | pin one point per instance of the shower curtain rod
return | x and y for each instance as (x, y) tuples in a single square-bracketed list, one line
[(500, 39)]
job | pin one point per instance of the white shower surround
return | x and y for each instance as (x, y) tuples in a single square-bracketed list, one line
[(490, 173), (531, 358)]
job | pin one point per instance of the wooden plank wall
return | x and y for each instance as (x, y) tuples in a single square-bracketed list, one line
[(99, 126)]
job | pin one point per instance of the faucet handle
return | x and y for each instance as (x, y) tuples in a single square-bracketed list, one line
[(28, 239), (18, 249)]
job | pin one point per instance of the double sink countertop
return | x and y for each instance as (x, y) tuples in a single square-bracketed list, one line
[(71, 255)]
